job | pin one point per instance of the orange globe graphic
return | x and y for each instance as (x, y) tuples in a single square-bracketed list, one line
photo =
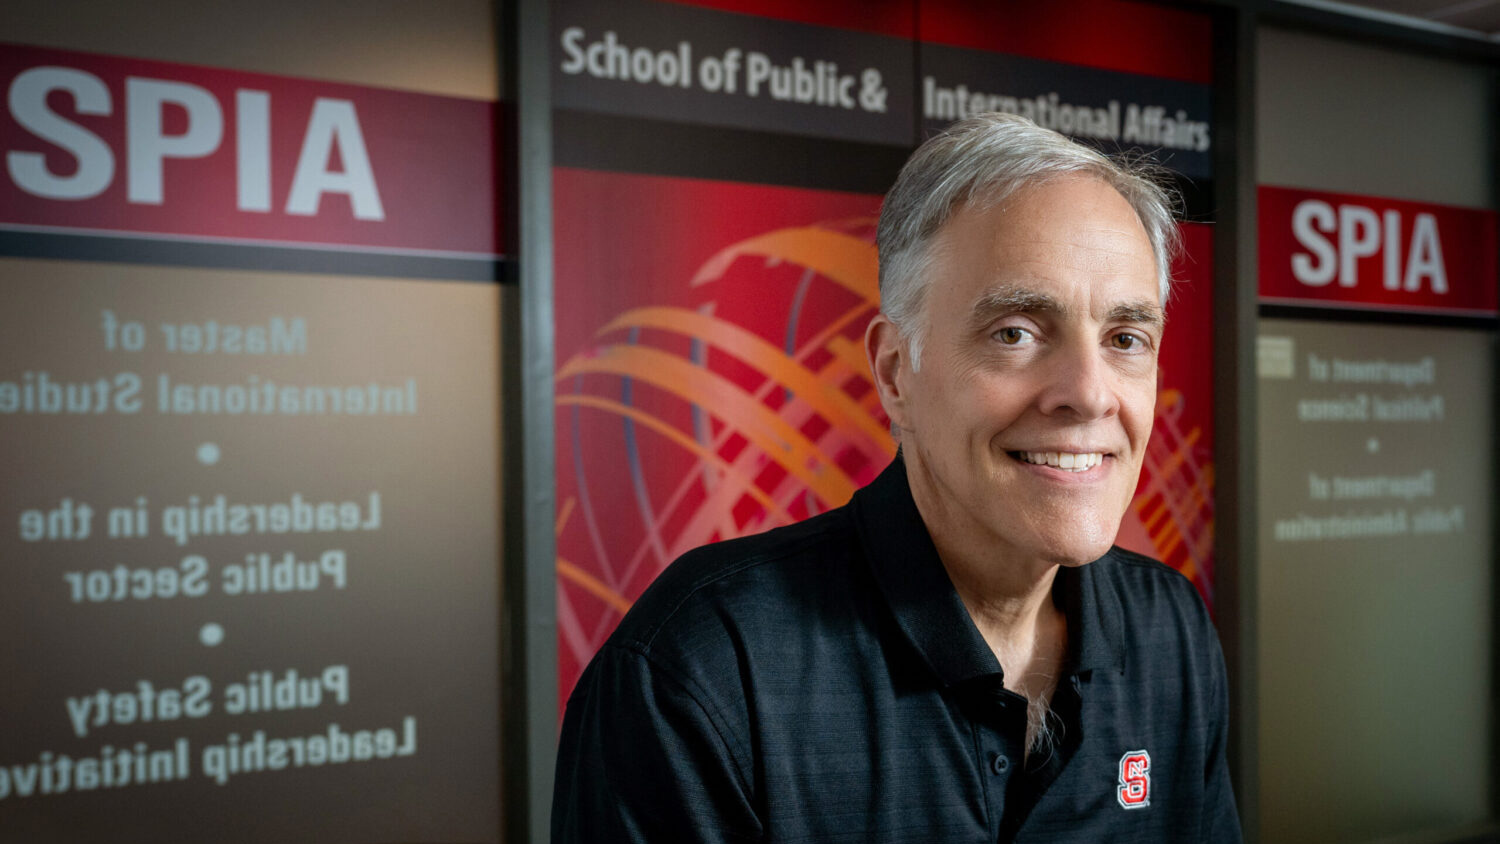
[(688, 425)]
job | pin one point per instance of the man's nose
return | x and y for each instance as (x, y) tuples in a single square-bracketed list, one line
[(1080, 383)]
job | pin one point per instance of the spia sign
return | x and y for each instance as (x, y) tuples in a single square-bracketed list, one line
[(111, 144), (331, 129), (1361, 234), (1337, 250)]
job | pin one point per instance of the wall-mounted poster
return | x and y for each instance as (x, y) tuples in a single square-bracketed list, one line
[(1375, 532), (686, 63), (190, 165), (681, 380), (248, 524), (1366, 253), (1376, 495), (716, 268)]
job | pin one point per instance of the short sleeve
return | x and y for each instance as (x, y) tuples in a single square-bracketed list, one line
[(643, 759)]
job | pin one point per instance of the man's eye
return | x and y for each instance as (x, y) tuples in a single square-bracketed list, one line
[(1126, 342), (1011, 336)]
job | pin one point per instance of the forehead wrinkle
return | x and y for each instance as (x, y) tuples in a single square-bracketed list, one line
[(1112, 254)]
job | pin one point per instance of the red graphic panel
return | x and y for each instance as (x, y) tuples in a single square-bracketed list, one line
[(711, 383), (710, 378), (1123, 35), (1172, 516), (886, 17), (1343, 250)]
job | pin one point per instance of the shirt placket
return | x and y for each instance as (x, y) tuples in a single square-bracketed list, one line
[(999, 718)]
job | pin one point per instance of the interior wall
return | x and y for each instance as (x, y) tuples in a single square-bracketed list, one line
[(437, 47), (1339, 116), (1374, 655), (416, 626)]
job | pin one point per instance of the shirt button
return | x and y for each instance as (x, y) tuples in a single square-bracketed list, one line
[(999, 764)]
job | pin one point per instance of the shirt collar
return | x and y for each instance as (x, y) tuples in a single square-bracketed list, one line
[(1094, 616), (928, 610)]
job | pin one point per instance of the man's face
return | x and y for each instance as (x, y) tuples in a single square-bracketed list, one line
[(1025, 425)]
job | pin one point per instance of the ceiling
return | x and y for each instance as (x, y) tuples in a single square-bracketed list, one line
[(1478, 18)]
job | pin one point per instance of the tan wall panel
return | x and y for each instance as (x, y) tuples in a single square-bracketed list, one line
[(1374, 651), (438, 47), (1339, 116), (1375, 618), (415, 625)]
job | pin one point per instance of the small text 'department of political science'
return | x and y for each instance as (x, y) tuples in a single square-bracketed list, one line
[(1361, 411)]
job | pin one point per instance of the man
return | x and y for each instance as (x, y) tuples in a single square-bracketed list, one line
[(959, 654)]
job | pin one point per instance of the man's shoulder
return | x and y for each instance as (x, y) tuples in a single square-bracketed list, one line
[(1140, 576), (1160, 609), (759, 580)]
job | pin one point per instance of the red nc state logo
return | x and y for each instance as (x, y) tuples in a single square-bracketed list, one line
[(1135, 780)]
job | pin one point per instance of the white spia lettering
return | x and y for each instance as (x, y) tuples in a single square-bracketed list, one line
[(1310, 219), (1426, 257), (334, 123), (146, 141), (1362, 233), (27, 99), (332, 131), (253, 150)]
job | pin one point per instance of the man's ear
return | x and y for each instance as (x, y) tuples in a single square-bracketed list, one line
[(888, 355)]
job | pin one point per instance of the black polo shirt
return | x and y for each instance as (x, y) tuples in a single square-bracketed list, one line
[(824, 683)]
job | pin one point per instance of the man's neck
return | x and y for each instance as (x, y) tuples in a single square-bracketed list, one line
[(1026, 631), (1008, 595), (1012, 607)]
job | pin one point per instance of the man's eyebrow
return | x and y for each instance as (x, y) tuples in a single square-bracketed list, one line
[(1011, 300), (1143, 312), (1024, 300)]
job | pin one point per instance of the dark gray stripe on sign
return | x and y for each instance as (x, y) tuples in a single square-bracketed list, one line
[(134, 250)]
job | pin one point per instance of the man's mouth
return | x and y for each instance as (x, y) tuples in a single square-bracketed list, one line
[(1068, 461)]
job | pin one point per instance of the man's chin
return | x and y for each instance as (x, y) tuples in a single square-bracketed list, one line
[(1078, 531), (1076, 561), (1076, 551)]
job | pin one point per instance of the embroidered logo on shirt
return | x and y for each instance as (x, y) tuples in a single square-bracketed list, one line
[(1135, 780)]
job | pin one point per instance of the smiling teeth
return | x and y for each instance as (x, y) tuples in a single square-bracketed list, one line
[(1063, 459)]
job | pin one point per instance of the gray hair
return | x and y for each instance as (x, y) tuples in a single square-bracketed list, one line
[(988, 157)]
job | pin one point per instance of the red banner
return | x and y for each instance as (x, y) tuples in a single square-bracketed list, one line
[(1348, 251), (126, 146)]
